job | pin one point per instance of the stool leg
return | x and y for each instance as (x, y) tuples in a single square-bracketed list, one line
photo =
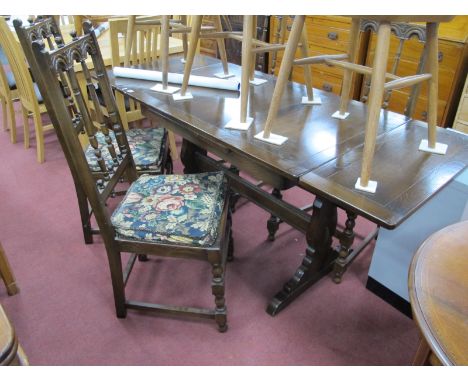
[(247, 35), (194, 35), (164, 50), (375, 100), (128, 42), (433, 65), (348, 74), (307, 69), (254, 55), (183, 19), (221, 46), (283, 74), (6, 274)]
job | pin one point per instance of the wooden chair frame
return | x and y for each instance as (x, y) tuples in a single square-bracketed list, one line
[(29, 103), (6, 274), (46, 68), (7, 98)]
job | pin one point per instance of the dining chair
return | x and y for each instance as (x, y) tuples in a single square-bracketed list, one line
[(378, 84), (11, 352), (6, 274), (149, 145), (182, 216), (8, 95), (32, 104)]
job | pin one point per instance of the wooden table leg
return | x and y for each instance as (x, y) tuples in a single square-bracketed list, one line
[(188, 156), (274, 221), (319, 258), (6, 274), (346, 241)]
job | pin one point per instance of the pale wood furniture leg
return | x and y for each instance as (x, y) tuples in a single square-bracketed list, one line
[(254, 56), (183, 19), (307, 69), (433, 66), (173, 145), (221, 46), (11, 116), (422, 353), (375, 102), (40, 153), (129, 39), (348, 73), (247, 36), (283, 74), (164, 59), (194, 35), (120, 101), (25, 114), (4, 113), (7, 274)]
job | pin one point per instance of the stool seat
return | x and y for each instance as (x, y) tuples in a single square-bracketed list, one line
[(438, 290)]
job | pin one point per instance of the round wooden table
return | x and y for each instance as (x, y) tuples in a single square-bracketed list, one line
[(438, 289)]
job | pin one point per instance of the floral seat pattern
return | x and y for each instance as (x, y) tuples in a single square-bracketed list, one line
[(145, 145), (178, 209)]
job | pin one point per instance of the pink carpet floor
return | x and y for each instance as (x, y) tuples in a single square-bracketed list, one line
[(64, 313)]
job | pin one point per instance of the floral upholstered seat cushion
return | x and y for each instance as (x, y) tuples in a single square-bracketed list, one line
[(145, 145), (179, 209)]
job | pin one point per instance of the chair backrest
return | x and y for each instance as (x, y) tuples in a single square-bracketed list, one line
[(71, 116), (17, 61), (145, 40)]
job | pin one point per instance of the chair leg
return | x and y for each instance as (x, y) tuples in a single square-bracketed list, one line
[(221, 46), (217, 288), (120, 102), (172, 145), (194, 36), (4, 113), (375, 100), (6, 274), (12, 123), (283, 74), (348, 74), (129, 41), (118, 287), (85, 214), (307, 68), (247, 35), (432, 96), (39, 137), (25, 114)]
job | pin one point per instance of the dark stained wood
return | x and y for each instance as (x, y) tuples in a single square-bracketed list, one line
[(322, 155), (47, 67), (438, 289), (406, 177)]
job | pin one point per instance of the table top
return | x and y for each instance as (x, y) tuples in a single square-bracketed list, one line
[(322, 154), (438, 286)]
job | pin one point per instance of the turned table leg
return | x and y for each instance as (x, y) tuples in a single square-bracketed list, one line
[(346, 241), (274, 221)]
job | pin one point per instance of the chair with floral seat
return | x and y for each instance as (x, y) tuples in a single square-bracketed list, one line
[(149, 145), (182, 216)]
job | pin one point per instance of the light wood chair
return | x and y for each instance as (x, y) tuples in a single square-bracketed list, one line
[(7, 274), (203, 229), (31, 100), (11, 352), (379, 86), (8, 95), (146, 39)]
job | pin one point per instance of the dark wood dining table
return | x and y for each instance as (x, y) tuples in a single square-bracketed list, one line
[(322, 156)]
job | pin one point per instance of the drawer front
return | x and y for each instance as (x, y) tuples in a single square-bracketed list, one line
[(320, 80), (461, 127), (463, 110)]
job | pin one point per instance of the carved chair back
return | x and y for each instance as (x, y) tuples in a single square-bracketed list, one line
[(71, 116)]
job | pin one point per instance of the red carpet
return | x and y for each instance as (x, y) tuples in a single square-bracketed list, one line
[(64, 314)]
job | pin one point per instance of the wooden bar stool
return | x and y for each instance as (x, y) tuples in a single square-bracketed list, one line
[(438, 290), (11, 352), (379, 75), (6, 273)]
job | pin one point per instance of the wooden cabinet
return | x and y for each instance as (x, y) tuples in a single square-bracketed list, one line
[(461, 119), (330, 35)]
